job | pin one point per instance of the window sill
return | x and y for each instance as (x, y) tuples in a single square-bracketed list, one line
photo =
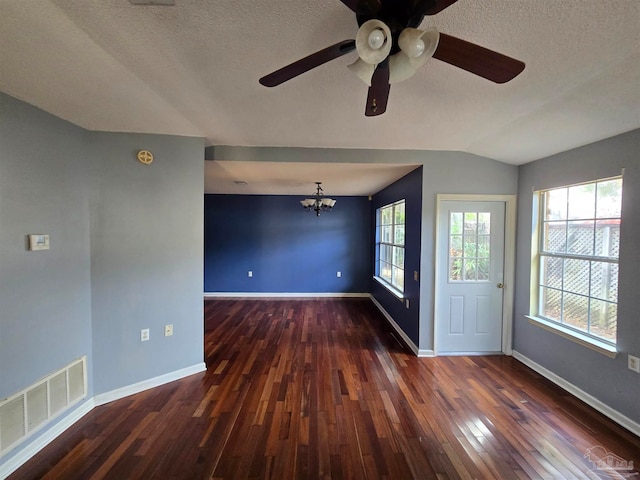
[(391, 289), (600, 347)]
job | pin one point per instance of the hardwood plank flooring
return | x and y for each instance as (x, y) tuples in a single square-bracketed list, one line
[(321, 389)]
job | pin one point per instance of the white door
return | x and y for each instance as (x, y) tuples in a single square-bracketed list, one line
[(470, 275)]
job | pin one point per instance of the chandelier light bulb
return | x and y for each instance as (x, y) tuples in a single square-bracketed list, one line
[(319, 203)]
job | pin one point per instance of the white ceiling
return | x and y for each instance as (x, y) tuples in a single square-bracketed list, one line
[(298, 178), (192, 69)]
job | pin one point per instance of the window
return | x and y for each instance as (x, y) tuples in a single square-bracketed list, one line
[(390, 246), (469, 246), (577, 258)]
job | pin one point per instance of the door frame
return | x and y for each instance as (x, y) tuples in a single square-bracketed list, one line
[(509, 262)]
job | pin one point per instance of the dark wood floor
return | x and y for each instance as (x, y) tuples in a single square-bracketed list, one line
[(322, 389)]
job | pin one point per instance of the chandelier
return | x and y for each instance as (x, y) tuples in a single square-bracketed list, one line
[(319, 203)]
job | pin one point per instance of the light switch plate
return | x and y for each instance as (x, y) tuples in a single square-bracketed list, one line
[(633, 363), (38, 242)]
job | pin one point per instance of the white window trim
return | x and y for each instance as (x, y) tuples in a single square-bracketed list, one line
[(574, 335), (389, 287), (608, 349)]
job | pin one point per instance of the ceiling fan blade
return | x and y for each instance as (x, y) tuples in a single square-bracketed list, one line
[(352, 4), (307, 63), (438, 6), (478, 60), (378, 94)]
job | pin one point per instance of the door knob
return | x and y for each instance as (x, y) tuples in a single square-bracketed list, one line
[(500, 285)]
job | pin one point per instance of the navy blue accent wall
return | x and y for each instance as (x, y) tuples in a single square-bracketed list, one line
[(408, 188), (288, 249)]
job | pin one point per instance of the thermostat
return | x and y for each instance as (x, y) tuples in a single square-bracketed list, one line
[(38, 242)]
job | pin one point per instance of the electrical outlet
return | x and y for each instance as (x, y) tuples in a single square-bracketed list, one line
[(338, 274), (168, 330), (633, 363), (144, 334), (250, 273)]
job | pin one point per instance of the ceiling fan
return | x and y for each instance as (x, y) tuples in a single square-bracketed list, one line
[(391, 48)]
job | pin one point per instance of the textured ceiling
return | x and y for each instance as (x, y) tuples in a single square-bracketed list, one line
[(193, 68)]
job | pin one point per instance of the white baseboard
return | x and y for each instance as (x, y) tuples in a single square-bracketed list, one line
[(417, 351), (283, 295), (15, 462), (601, 407), (119, 393), (422, 352), (52, 433)]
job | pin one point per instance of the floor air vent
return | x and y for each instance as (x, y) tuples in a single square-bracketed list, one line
[(31, 409)]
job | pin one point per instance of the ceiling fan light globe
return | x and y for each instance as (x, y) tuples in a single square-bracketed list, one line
[(401, 68), (363, 70), (368, 41), (418, 44)]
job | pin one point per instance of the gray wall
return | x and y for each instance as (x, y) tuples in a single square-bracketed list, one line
[(126, 252), (146, 257), (606, 379), (45, 296), (449, 173)]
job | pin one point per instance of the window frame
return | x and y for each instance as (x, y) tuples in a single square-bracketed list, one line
[(389, 284), (539, 253)]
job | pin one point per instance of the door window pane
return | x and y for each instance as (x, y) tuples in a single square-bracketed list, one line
[(470, 253), (455, 223), (483, 269), (470, 223), (470, 265)]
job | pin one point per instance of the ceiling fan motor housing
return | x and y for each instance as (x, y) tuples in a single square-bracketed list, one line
[(397, 15)]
